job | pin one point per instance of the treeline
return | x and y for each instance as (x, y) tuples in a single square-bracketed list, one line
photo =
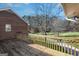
[(43, 23), (45, 20), (48, 24)]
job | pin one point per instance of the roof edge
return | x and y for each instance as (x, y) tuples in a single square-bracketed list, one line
[(9, 9)]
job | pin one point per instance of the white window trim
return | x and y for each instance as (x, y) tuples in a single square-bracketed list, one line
[(7, 27)]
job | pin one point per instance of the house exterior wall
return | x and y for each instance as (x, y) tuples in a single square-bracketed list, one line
[(17, 25)]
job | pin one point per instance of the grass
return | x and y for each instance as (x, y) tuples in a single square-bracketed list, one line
[(69, 34), (69, 37), (42, 33), (62, 34)]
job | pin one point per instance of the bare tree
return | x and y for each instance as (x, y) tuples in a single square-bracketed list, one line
[(44, 15), (46, 12)]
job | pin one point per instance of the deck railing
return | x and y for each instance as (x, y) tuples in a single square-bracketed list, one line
[(56, 45)]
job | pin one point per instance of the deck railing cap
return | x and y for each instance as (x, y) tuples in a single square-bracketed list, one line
[(77, 49), (73, 47)]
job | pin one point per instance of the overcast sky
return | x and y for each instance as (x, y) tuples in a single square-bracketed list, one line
[(28, 8)]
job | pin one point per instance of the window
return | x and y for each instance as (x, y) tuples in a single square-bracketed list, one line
[(8, 28)]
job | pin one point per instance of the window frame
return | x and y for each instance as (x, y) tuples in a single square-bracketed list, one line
[(8, 28)]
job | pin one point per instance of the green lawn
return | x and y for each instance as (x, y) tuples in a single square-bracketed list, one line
[(62, 34), (42, 33), (69, 37), (69, 34)]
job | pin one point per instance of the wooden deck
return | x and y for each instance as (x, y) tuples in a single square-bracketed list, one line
[(22, 48)]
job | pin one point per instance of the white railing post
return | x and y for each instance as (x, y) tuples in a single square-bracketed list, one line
[(66, 48), (73, 48), (69, 49), (63, 47), (77, 52)]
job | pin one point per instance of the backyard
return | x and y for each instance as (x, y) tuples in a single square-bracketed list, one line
[(71, 38)]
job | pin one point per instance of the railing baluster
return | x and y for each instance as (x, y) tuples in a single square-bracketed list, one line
[(53, 44), (76, 52), (69, 49), (72, 50)]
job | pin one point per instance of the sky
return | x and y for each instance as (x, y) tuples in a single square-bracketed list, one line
[(29, 8)]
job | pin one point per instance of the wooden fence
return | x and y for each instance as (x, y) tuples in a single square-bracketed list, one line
[(59, 46)]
